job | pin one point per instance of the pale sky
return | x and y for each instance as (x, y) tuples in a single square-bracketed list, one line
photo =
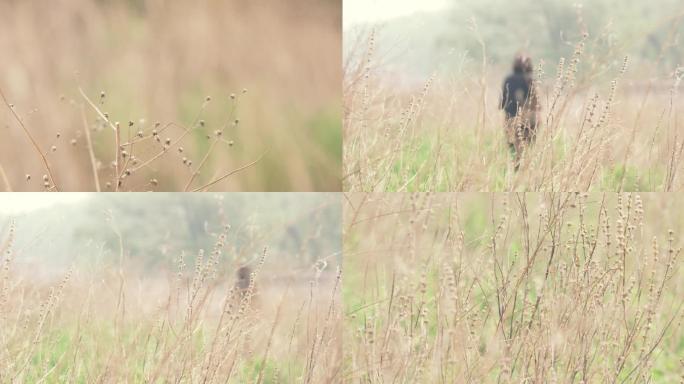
[(358, 11), (20, 202)]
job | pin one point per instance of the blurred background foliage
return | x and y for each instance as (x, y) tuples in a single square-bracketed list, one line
[(157, 61), (298, 229), (446, 41)]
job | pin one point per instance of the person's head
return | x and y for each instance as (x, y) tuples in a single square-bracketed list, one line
[(244, 275), (522, 64)]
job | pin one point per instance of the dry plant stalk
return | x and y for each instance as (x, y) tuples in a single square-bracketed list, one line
[(205, 330), (449, 137), (537, 288)]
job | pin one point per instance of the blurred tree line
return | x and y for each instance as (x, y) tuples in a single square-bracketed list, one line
[(551, 28), (448, 41), (156, 228)]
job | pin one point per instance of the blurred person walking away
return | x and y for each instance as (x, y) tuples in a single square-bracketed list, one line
[(245, 284), (519, 102)]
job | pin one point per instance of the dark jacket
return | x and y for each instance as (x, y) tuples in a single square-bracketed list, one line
[(516, 94)]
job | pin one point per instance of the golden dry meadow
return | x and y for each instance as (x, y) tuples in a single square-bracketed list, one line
[(513, 288), (205, 288), (422, 98), (468, 191)]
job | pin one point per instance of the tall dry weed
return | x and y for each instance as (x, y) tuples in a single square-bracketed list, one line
[(542, 288)]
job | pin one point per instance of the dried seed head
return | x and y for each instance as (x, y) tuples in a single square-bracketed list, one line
[(28, 177), (53, 148), (45, 178), (208, 98)]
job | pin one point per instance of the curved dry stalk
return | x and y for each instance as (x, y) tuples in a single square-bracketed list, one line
[(116, 133), (199, 167), (205, 186), (5, 180), (196, 172), (264, 359), (33, 141), (93, 162)]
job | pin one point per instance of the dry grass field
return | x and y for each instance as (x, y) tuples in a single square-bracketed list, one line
[(513, 288), (608, 121), (232, 311), (170, 95)]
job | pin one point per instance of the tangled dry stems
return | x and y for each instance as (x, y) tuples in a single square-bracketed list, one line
[(565, 288), (127, 161), (204, 330), (449, 135)]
